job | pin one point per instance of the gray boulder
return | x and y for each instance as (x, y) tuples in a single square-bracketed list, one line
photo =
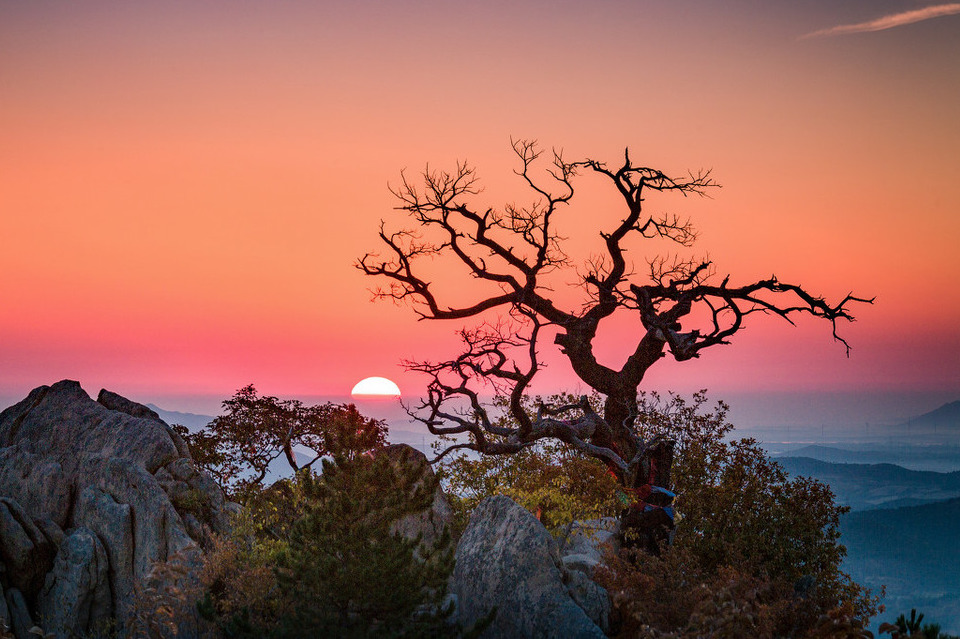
[(430, 523), (587, 542), (113, 401), (20, 619), (37, 483), (24, 550), (592, 598), (76, 594), (506, 560), (119, 403), (583, 549), (110, 467)]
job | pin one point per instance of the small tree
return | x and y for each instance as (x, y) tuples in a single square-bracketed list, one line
[(514, 255), (238, 447), (328, 560), (361, 577), (905, 628)]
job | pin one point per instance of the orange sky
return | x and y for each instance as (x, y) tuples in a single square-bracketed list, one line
[(185, 186)]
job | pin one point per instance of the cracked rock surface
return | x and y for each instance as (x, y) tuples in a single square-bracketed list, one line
[(507, 560), (92, 494)]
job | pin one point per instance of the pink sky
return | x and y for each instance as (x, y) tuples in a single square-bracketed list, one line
[(185, 186)]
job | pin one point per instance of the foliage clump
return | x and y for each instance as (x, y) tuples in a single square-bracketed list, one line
[(913, 628), (238, 447), (319, 555), (557, 483), (738, 507), (755, 553), (761, 548)]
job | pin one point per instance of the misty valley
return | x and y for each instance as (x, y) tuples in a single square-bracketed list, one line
[(903, 490)]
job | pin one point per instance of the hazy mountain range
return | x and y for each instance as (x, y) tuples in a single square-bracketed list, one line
[(865, 486), (941, 458), (912, 550), (947, 416), (191, 420)]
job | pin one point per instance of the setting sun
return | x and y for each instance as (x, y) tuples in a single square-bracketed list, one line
[(379, 387)]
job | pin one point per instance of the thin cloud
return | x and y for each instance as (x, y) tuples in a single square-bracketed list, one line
[(889, 22)]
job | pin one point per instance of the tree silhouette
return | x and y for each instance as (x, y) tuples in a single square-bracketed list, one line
[(239, 446), (515, 253), (911, 625)]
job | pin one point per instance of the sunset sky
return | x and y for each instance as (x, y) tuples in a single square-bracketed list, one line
[(186, 186)]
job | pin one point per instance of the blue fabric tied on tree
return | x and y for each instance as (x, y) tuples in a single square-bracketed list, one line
[(663, 491)]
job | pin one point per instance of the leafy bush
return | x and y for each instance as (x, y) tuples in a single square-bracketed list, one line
[(754, 554), (556, 483), (742, 522), (318, 555), (337, 567)]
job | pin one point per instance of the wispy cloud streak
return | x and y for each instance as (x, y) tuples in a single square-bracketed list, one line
[(890, 21)]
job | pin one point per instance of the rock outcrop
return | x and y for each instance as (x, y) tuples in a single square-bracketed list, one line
[(430, 523), (507, 561), (92, 495), (581, 553), (587, 542), (76, 595)]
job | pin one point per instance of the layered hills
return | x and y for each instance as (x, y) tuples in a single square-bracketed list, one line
[(865, 486), (914, 552), (901, 535)]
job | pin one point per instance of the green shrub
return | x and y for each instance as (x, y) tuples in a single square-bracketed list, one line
[(317, 556)]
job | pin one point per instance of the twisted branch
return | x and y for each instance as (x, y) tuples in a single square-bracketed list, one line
[(509, 251)]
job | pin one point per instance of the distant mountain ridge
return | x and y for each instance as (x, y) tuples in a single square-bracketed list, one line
[(867, 486), (837, 455), (192, 421), (947, 416), (936, 450), (902, 534)]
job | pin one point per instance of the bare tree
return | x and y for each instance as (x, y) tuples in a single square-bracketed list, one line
[(682, 306)]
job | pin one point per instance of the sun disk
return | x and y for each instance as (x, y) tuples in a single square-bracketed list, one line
[(376, 387)]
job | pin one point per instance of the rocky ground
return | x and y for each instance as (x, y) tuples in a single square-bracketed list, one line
[(93, 494)]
